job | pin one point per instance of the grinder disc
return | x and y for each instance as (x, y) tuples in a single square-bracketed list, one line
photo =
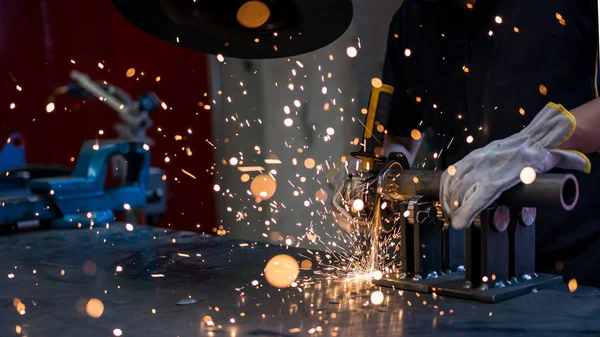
[(241, 28)]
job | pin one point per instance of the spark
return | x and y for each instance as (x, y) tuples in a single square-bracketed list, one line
[(50, 107), (130, 72), (498, 20), (527, 175), (377, 297), (376, 82), (407, 52), (190, 175), (358, 204), (350, 51), (451, 170), (415, 134), (573, 285), (129, 227)]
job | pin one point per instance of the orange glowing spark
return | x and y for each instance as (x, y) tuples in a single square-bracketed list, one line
[(415, 134), (94, 308), (189, 174), (543, 90), (376, 83), (251, 168), (573, 285), (309, 163), (522, 111), (281, 271), (451, 170), (130, 72)]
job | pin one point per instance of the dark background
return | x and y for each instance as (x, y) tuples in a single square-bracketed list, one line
[(38, 40)]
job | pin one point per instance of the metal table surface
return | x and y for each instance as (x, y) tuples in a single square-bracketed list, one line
[(55, 273)]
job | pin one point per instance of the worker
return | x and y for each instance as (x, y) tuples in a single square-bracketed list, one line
[(508, 87)]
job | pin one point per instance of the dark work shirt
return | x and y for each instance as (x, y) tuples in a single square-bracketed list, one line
[(482, 74)]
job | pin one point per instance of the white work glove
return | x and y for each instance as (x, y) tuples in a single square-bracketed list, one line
[(475, 182), (344, 191)]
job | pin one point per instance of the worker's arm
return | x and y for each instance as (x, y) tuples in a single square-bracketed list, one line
[(403, 113), (586, 137), (551, 140)]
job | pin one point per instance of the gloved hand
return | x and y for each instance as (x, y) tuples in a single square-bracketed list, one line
[(344, 190), (476, 181)]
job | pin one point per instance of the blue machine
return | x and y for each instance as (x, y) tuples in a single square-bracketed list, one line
[(13, 153), (82, 199)]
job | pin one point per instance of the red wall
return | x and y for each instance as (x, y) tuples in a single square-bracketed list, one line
[(38, 40)]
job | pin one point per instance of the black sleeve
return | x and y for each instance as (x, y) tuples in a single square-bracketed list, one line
[(404, 115)]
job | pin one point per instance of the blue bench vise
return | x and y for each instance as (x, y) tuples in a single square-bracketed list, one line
[(13, 153), (82, 199)]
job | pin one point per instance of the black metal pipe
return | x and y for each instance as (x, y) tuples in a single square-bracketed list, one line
[(547, 189)]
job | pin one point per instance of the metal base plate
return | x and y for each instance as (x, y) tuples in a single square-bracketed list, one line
[(455, 288), (421, 286)]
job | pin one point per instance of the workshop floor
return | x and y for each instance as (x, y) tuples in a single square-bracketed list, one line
[(47, 279)]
